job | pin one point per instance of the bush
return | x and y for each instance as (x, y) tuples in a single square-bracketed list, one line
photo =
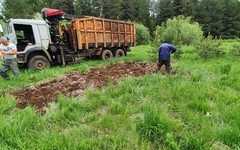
[(208, 48), (143, 34), (225, 69), (235, 52), (177, 31)]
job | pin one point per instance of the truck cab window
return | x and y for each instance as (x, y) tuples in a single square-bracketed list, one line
[(24, 34)]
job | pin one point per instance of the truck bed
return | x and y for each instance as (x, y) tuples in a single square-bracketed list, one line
[(91, 32)]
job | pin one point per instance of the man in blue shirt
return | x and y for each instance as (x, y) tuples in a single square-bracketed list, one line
[(164, 55)]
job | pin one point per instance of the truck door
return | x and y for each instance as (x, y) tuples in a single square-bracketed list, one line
[(45, 37), (10, 33)]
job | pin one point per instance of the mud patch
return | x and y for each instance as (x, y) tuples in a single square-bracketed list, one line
[(73, 84)]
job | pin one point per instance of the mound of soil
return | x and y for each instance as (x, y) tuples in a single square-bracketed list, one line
[(73, 84)]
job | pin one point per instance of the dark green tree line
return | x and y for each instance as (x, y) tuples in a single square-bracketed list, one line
[(217, 17)]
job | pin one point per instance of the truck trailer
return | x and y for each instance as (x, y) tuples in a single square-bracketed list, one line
[(49, 42)]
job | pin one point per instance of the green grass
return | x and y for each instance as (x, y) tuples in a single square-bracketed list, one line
[(197, 109)]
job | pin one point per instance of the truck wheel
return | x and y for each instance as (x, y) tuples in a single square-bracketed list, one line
[(119, 53), (106, 54), (38, 62)]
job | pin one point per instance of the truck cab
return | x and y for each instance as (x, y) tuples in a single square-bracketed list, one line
[(32, 39)]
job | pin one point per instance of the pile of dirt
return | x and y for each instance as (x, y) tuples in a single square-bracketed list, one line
[(73, 84)]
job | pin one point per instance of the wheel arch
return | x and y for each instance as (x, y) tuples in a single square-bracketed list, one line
[(37, 51)]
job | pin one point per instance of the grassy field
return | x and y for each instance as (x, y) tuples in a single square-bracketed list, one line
[(197, 109)]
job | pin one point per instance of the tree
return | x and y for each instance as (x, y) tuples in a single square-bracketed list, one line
[(143, 34), (66, 5), (21, 8), (129, 10), (164, 11), (111, 9), (231, 19), (136, 10), (143, 14), (177, 7), (188, 7), (210, 15), (139, 11), (88, 7)]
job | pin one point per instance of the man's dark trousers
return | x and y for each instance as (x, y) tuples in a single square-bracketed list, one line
[(166, 63)]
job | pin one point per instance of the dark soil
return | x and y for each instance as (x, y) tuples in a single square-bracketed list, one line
[(74, 84)]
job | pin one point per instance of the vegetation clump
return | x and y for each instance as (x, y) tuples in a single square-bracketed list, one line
[(178, 31), (143, 34), (235, 52), (208, 48)]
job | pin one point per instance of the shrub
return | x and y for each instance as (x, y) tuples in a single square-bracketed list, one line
[(208, 48), (177, 31), (235, 52), (143, 34), (226, 69)]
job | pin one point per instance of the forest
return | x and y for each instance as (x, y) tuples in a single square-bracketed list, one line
[(220, 18)]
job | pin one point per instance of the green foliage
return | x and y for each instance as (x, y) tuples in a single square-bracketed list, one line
[(171, 141), (66, 5), (219, 17), (64, 112), (180, 31), (87, 7), (196, 109), (17, 127), (210, 15), (177, 31), (112, 9), (28, 8), (208, 48), (225, 69), (165, 11), (3, 25), (231, 19), (178, 53), (143, 34), (235, 52), (6, 104), (154, 127)]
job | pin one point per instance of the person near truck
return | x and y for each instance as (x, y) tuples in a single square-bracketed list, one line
[(9, 61), (164, 58)]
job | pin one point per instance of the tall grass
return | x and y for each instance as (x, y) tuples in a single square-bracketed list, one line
[(197, 109)]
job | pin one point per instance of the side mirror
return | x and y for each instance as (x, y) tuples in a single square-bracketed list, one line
[(1, 28)]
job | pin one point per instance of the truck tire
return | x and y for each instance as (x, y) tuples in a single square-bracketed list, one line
[(119, 53), (38, 62), (106, 54)]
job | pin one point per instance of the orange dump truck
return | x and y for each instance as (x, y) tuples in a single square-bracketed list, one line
[(102, 37)]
